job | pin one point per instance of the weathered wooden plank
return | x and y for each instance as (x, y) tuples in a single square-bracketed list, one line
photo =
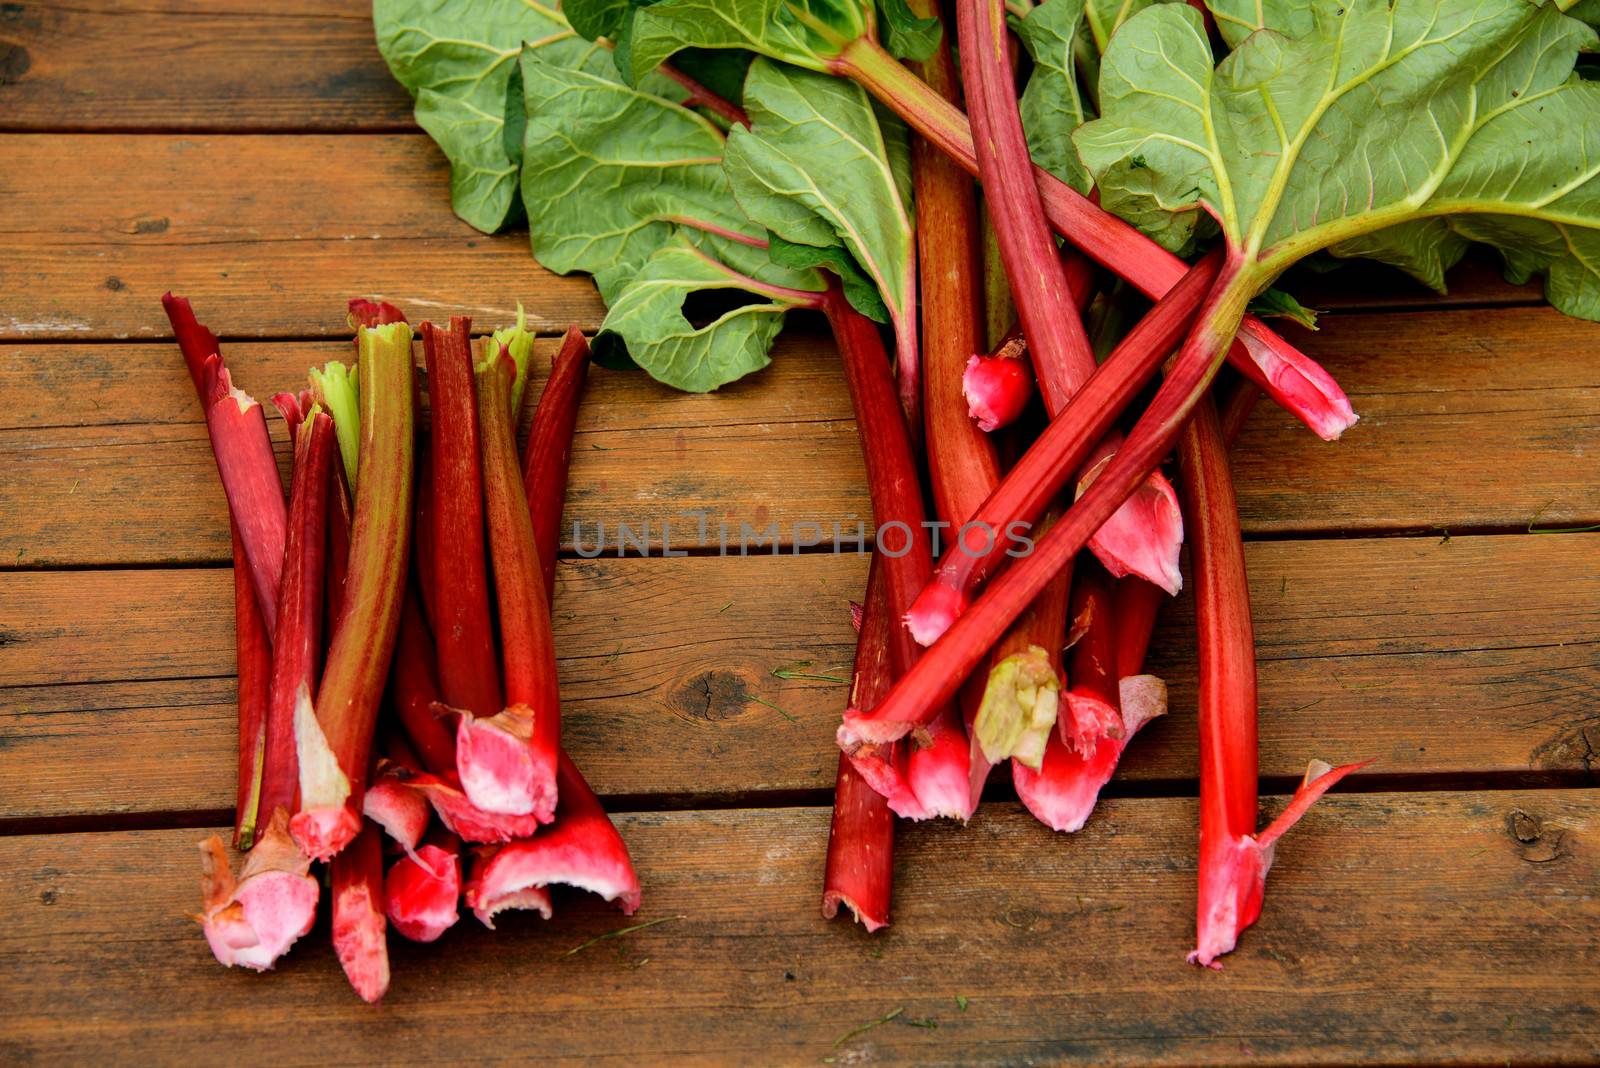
[(1470, 419), (270, 234), (107, 461), (1475, 655), (99, 431), (195, 64), (1399, 928)]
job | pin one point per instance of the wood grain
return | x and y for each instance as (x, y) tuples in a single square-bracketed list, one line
[(195, 64), (1397, 927), (271, 234), (1473, 656), (104, 460)]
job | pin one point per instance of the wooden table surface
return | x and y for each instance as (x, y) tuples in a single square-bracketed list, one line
[(1419, 597)]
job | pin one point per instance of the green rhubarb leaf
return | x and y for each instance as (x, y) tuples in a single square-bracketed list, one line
[(1238, 19), (610, 173), (647, 314), (594, 19), (1277, 304), (859, 290), (819, 166), (805, 33), (1424, 248), (459, 61), (1459, 110), (1102, 18), (905, 34), (1052, 107)]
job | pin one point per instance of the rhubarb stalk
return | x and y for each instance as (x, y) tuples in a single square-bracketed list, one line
[(548, 455), (463, 636), (252, 921), (919, 694), (508, 761), (420, 892), (1139, 539), (1233, 858), (297, 643), (1292, 379), (334, 738), (1047, 466), (359, 929), (253, 646)]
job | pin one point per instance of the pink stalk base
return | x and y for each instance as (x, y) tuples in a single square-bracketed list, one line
[(497, 765), (1063, 792), (359, 927), (420, 895), (1233, 869), (252, 921), (1143, 539), (581, 848), (394, 804), (488, 900), (467, 820), (326, 829)]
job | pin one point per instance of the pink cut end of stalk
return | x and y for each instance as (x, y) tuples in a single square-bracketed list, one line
[(1087, 721), (421, 894), (499, 770), (1063, 792), (359, 928), (1233, 870), (997, 389), (322, 832), (1144, 536), (488, 901), (860, 866), (467, 820), (1299, 384), (253, 921), (581, 848), (399, 809), (935, 609), (939, 772), (325, 823)]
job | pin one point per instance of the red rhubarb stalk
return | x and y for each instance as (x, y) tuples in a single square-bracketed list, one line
[(253, 920), (860, 868), (548, 456), (581, 848), (463, 636), (420, 892), (919, 694), (297, 643), (1292, 379), (1140, 540), (359, 928), (1047, 466), (237, 425), (391, 802), (1233, 858), (508, 761), (1094, 707), (334, 738), (938, 769), (253, 646), (369, 313)]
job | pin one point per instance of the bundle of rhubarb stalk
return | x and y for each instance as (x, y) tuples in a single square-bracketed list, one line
[(718, 164), (398, 722)]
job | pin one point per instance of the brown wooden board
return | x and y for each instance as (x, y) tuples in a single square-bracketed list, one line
[(269, 236), (1397, 927), (105, 460), (195, 64), (1471, 656)]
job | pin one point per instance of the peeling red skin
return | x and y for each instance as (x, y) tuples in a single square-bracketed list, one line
[(243, 450), (370, 313), (1044, 470), (469, 674), (581, 848), (253, 649), (297, 644), (548, 455), (359, 926), (420, 893)]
